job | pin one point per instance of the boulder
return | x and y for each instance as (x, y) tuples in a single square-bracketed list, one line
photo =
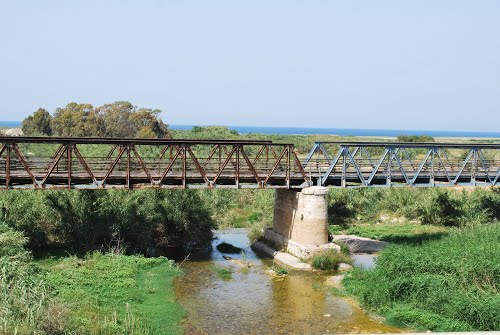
[(358, 244), (344, 267)]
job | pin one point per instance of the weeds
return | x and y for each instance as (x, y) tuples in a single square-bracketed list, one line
[(223, 273), (329, 260), (447, 284), (280, 271)]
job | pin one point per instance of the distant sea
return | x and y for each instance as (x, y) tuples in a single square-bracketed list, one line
[(349, 132), (11, 124), (326, 131)]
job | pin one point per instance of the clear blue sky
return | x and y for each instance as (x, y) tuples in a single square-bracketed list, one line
[(413, 64)]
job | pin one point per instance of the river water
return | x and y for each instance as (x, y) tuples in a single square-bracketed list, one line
[(256, 301)]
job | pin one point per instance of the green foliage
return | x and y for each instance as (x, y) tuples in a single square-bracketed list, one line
[(11, 242), (446, 284), (407, 316), (346, 205), (25, 297), (344, 248), (394, 233), (223, 273), (251, 209), (441, 210), (74, 120), (121, 292), (27, 211), (40, 123), (414, 138), (329, 260), (143, 221), (431, 206), (280, 271), (100, 294), (118, 119)]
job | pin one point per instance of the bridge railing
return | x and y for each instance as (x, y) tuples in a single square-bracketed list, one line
[(49, 163), (389, 164)]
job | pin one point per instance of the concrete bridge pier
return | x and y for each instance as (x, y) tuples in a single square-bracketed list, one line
[(300, 223)]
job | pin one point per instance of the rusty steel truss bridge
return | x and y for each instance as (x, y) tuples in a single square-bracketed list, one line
[(104, 163)]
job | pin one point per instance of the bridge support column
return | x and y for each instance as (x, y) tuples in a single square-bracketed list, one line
[(300, 222)]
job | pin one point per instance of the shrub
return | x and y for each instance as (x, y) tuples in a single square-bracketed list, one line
[(452, 281), (329, 260), (25, 297), (440, 209), (344, 248)]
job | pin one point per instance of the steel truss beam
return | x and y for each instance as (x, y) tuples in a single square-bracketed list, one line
[(389, 164), (72, 163)]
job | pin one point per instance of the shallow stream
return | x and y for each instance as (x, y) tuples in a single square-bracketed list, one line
[(254, 301)]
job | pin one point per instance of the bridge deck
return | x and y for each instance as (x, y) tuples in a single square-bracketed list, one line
[(48, 163)]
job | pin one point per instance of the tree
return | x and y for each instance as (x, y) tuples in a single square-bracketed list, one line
[(148, 124), (40, 123), (116, 119), (414, 138), (72, 120)]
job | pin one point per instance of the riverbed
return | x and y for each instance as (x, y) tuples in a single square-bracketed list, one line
[(257, 301)]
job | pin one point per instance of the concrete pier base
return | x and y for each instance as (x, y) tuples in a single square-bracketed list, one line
[(300, 223)]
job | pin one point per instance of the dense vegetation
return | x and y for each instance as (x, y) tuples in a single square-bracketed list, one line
[(99, 294), (331, 259), (414, 138), (442, 285), (429, 206), (118, 119), (62, 295), (84, 220)]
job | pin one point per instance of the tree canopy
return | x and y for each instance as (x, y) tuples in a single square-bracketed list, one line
[(117, 119), (415, 138), (38, 124)]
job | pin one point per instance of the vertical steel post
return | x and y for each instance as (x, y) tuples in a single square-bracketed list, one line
[(388, 181), (184, 172), (238, 166), (288, 166), (267, 157), (433, 170), (69, 149), (474, 167), (128, 167), (220, 157), (7, 166), (344, 171)]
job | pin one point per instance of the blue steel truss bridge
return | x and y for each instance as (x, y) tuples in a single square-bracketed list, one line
[(391, 164), (104, 163)]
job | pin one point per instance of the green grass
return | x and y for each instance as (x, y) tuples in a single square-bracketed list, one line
[(344, 248), (394, 233), (280, 271), (329, 260), (115, 294), (448, 284), (223, 273)]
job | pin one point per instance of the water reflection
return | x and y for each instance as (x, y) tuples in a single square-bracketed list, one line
[(254, 302)]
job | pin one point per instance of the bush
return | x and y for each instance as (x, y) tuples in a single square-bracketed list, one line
[(26, 297), (441, 209), (344, 248), (329, 260), (454, 278), (84, 220)]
